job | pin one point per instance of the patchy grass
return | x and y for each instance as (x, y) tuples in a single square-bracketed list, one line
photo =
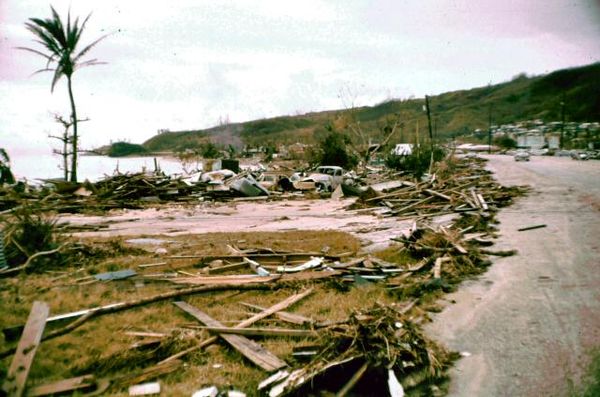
[(591, 382)]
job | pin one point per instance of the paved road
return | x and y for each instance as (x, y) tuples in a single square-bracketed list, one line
[(530, 322)]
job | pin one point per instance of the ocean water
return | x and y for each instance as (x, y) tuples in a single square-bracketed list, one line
[(33, 166)]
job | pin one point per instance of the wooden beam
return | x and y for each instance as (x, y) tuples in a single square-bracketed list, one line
[(63, 386), (14, 384), (275, 308), (249, 349), (353, 381), (437, 194), (261, 331), (213, 339), (292, 318)]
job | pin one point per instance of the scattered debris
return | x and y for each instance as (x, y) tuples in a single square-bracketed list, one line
[(144, 389), (14, 384), (530, 228), (378, 351)]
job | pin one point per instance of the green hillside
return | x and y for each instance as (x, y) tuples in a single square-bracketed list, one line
[(453, 113)]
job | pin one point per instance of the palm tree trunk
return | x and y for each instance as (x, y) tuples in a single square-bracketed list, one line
[(75, 137)]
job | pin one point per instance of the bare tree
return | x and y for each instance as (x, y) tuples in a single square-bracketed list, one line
[(67, 140)]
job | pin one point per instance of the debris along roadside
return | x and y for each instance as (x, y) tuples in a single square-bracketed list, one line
[(334, 338), (143, 189)]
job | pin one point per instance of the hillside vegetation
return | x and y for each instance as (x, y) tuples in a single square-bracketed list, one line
[(453, 113)]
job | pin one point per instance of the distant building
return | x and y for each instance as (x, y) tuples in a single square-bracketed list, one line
[(531, 141), (403, 149)]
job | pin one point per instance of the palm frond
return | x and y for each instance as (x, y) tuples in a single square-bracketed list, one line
[(88, 48), (42, 70), (4, 156), (49, 58), (57, 24), (83, 27), (58, 73), (92, 62)]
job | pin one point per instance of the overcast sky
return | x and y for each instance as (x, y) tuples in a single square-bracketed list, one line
[(188, 63)]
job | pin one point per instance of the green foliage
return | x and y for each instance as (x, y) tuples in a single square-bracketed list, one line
[(505, 142), (120, 149), (6, 175), (210, 151), (269, 152), (278, 124), (333, 150), (27, 233), (418, 162)]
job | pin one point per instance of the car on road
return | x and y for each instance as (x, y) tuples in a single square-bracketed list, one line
[(522, 156), (579, 155)]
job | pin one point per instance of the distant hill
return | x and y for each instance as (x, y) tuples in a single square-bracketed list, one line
[(454, 113)]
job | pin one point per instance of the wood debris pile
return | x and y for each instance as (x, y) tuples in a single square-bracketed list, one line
[(456, 186), (375, 350)]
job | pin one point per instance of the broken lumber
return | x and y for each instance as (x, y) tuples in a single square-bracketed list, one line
[(284, 316), (14, 384), (301, 333), (80, 383), (273, 309), (249, 349), (353, 380), (530, 228)]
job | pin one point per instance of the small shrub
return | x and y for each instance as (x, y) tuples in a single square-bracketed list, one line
[(28, 233), (333, 150), (416, 163)]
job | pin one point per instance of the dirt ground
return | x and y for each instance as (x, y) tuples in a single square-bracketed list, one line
[(373, 230), (528, 325)]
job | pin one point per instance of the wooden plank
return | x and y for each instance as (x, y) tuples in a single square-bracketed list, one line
[(249, 349), (437, 194), (301, 333), (226, 268), (305, 276), (63, 386), (437, 268), (224, 280), (212, 339), (258, 257), (353, 381), (530, 228), (275, 308), (400, 210), (292, 318), (482, 202), (14, 384)]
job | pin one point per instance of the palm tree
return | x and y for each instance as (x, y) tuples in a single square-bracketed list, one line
[(62, 58)]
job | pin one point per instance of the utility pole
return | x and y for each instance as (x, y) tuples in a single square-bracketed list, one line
[(430, 133), (429, 121), (562, 121), (490, 129)]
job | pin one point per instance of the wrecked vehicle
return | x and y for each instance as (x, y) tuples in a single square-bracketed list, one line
[(273, 180), (326, 177)]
